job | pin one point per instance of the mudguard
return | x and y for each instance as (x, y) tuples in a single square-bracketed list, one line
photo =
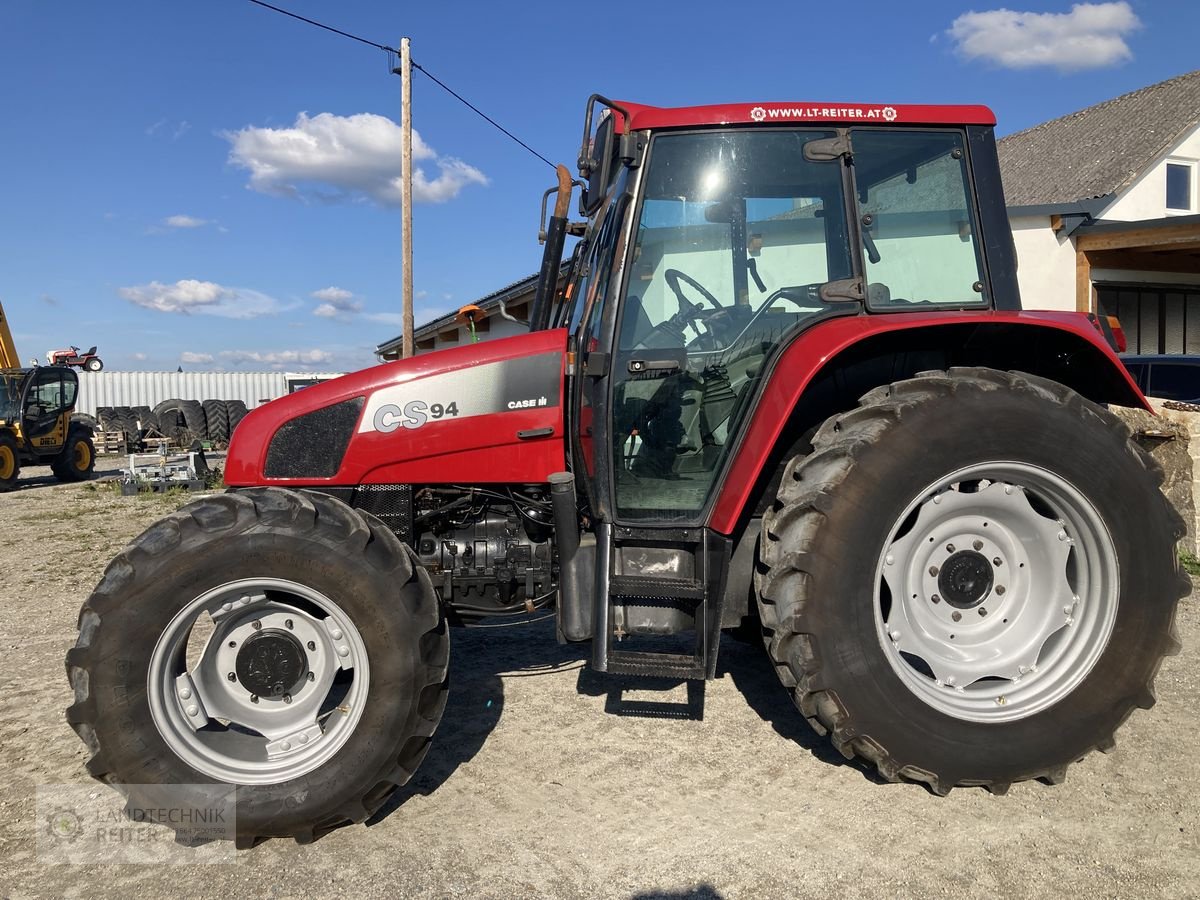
[(818, 348)]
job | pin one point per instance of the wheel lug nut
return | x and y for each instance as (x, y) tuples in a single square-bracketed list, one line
[(1000, 589), (257, 625), (982, 611), (978, 545), (312, 645), (936, 599), (287, 698), (233, 643), (949, 548), (232, 676), (312, 676), (254, 698), (956, 616), (289, 623), (933, 570), (997, 561)]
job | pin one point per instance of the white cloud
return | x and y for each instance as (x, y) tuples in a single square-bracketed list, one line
[(185, 222), (204, 297), (1090, 36), (278, 359), (338, 303), (140, 357), (338, 158), (188, 357)]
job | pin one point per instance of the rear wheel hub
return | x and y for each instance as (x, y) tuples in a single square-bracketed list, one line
[(965, 579)]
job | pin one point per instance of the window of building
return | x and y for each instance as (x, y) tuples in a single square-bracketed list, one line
[(1179, 186)]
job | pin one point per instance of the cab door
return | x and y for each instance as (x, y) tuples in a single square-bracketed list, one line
[(49, 399)]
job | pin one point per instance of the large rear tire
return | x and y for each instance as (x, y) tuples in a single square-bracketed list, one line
[(318, 725), (971, 580), (216, 418)]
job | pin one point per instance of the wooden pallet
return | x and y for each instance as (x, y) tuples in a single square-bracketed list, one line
[(109, 441)]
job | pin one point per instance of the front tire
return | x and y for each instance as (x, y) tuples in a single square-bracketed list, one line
[(971, 580), (77, 461), (10, 461), (318, 687)]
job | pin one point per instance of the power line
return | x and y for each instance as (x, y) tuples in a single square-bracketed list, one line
[(457, 96), (353, 37), (479, 112)]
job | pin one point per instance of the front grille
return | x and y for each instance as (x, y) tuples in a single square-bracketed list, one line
[(392, 504)]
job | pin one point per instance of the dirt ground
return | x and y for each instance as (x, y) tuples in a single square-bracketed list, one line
[(548, 781)]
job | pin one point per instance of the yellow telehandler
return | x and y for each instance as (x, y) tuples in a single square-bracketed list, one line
[(36, 426)]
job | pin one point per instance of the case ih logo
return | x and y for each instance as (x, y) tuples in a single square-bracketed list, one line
[(809, 113)]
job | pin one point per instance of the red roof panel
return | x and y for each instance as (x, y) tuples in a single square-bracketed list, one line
[(806, 111)]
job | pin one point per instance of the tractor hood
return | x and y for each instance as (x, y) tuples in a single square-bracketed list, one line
[(489, 412)]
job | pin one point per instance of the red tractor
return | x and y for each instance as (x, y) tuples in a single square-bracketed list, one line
[(788, 382), (72, 356)]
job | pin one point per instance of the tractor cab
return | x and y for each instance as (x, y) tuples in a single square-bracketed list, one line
[(716, 236)]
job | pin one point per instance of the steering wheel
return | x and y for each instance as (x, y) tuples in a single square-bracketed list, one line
[(674, 276)]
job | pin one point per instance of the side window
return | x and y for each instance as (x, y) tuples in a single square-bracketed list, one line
[(599, 262), (48, 392), (916, 215)]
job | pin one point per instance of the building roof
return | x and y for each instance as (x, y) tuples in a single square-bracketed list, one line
[(489, 302), (1101, 150)]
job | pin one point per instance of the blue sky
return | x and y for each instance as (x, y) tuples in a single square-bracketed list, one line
[(209, 183)]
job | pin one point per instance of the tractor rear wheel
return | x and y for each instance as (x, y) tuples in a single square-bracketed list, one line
[(10, 461), (971, 580), (274, 640), (78, 458)]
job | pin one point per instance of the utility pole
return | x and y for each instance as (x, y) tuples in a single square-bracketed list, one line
[(406, 200)]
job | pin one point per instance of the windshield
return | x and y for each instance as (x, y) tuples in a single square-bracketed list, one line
[(11, 384)]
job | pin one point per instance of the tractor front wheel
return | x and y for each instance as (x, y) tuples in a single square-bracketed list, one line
[(10, 461), (971, 580), (273, 640)]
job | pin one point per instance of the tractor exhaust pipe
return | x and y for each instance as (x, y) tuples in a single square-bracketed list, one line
[(574, 608), (555, 236)]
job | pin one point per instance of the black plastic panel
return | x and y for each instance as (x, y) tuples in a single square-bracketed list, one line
[(312, 445)]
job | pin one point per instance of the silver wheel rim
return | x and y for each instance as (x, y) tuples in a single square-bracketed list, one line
[(218, 725), (1005, 643)]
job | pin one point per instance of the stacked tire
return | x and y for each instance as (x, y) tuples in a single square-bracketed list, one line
[(182, 421)]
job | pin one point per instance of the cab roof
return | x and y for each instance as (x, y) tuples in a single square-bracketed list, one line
[(652, 117)]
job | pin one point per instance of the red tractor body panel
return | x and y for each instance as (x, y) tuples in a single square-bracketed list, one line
[(804, 358), (764, 113), (482, 413)]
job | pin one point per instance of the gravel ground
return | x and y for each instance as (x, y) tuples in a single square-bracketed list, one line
[(547, 780)]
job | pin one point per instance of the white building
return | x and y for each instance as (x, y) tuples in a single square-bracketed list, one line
[(1104, 210)]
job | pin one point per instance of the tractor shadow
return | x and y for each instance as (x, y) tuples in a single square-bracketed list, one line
[(747, 664), (478, 656)]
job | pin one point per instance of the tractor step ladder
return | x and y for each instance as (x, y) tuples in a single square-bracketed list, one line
[(687, 578)]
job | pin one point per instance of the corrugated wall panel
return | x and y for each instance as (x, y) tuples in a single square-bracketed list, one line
[(151, 388)]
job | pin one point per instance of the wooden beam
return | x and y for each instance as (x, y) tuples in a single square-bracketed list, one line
[(1170, 236), (1083, 282), (1056, 223), (1146, 261)]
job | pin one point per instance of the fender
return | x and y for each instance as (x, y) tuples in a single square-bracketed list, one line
[(999, 339), (482, 413)]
